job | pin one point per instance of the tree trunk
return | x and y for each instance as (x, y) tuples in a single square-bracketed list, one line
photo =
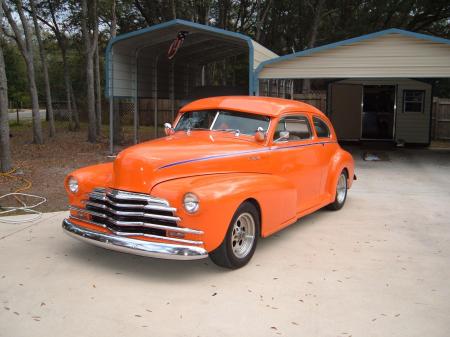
[(261, 18), (5, 149), (98, 91), (317, 10), (74, 107), (48, 94), (26, 49), (62, 44), (113, 20), (90, 44)]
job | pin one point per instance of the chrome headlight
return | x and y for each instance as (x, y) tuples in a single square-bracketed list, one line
[(191, 203), (73, 184)]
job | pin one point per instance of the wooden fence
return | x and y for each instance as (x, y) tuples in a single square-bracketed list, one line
[(440, 123)]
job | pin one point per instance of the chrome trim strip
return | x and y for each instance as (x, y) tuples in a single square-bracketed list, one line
[(133, 246), (131, 234), (242, 153), (137, 223), (140, 214), (131, 196), (116, 204)]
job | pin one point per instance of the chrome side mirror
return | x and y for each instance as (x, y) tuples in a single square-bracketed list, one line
[(260, 135), (168, 129)]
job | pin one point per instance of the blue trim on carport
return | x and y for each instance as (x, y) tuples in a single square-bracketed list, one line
[(343, 43), (185, 23)]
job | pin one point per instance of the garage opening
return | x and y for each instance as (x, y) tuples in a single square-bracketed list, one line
[(378, 113)]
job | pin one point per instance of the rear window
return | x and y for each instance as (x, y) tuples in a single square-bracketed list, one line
[(322, 130)]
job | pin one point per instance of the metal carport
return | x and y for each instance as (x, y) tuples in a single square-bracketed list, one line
[(139, 71)]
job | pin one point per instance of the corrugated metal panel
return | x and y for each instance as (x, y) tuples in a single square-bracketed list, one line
[(261, 54), (391, 55)]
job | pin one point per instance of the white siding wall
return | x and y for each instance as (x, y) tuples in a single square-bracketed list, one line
[(124, 74), (261, 54), (392, 55)]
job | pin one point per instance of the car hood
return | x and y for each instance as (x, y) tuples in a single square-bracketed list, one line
[(140, 167)]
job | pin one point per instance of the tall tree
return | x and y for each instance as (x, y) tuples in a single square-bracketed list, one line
[(26, 48), (98, 93), (317, 9), (5, 149), (43, 54), (90, 45)]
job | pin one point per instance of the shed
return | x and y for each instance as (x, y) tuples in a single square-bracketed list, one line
[(386, 93), (141, 78)]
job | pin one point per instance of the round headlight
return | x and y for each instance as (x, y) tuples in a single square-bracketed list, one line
[(73, 185), (191, 203)]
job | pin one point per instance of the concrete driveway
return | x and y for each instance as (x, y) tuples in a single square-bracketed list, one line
[(379, 267)]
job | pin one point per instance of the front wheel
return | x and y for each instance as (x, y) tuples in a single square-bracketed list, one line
[(341, 192), (240, 241)]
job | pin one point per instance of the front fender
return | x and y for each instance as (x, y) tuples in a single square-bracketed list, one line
[(88, 178), (221, 194)]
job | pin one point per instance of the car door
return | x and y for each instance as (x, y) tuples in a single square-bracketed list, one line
[(296, 158), (326, 147)]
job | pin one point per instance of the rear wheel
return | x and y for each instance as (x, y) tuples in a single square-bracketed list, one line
[(240, 241), (341, 192)]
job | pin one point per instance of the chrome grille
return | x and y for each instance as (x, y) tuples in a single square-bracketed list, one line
[(134, 214)]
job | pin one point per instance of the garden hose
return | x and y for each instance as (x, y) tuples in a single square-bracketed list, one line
[(30, 209)]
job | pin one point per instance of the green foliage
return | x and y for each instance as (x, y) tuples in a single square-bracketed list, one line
[(16, 74), (286, 28)]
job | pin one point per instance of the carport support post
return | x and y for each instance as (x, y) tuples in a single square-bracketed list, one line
[(111, 108), (135, 100), (111, 123), (155, 96), (172, 89)]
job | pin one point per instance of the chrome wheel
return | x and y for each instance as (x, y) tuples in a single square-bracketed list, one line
[(341, 190), (243, 235)]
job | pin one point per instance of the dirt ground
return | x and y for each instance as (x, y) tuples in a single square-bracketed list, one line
[(46, 166)]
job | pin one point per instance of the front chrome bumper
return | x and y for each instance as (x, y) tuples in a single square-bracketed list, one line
[(134, 246)]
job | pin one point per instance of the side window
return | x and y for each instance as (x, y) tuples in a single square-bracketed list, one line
[(297, 126), (321, 128), (413, 100)]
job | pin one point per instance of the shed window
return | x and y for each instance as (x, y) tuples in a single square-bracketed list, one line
[(413, 100)]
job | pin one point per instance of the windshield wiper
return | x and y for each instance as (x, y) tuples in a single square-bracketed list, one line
[(236, 131)]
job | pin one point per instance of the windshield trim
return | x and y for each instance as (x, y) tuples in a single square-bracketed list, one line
[(218, 111)]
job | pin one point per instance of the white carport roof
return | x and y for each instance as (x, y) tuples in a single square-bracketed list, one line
[(388, 53), (202, 45)]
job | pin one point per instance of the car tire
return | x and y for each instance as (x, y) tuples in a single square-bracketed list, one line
[(341, 192), (239, 244)]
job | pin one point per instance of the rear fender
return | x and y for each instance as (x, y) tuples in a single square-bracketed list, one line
[(221, 194), (340, 161)]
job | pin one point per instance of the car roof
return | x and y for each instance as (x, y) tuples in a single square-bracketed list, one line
[(269, 106)]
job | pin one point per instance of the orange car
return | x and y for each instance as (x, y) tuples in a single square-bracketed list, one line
[(231, 170)]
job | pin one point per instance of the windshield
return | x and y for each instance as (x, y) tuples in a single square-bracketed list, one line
[(221, 120)]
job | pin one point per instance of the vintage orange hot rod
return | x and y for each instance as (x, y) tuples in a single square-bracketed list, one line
[(231, 170)]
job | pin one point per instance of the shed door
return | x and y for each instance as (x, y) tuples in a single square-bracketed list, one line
[(345, 112)]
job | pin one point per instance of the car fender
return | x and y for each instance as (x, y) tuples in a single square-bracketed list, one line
[(221, 194), (340, 160), (89, 178)]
